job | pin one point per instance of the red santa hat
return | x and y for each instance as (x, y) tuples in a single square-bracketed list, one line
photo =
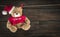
[(8, 9)]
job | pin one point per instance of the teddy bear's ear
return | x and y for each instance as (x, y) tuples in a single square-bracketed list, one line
[(22, 5)]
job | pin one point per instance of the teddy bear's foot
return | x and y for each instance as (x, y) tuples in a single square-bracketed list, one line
[(26, 27), (12, 28)]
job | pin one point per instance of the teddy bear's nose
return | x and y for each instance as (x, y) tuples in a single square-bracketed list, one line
[(16, 13)]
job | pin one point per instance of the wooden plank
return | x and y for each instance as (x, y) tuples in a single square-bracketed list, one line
[(48, 28)]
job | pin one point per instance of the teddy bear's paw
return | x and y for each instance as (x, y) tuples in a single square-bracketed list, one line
[(26, 27)]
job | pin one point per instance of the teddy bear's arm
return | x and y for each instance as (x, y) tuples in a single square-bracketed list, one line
[(26, 25), (27, 21), (8, 23)]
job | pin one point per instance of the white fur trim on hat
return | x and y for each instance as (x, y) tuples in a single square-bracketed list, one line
[(11, 9), (4, 12)]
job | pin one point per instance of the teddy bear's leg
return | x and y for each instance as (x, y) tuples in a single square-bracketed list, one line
[(19, 25), (26, 25), (11, 27)]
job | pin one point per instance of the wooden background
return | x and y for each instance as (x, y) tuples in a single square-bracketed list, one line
[(45, 20)]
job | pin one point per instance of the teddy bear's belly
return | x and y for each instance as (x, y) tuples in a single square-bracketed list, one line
[(15, 21)]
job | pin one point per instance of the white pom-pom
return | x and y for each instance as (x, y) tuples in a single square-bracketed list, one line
[(4, 12)]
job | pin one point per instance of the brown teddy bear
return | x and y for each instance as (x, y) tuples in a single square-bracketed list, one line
[(17, 19)]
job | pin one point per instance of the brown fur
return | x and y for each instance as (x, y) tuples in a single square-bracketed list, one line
[(25, 26)]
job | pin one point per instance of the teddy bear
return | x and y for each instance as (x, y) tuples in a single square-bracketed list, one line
[(17, 20)]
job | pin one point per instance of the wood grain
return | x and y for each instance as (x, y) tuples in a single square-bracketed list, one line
[(45, 20)]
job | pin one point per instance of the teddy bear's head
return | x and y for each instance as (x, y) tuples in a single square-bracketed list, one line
[(13, 10), (17, 12)]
